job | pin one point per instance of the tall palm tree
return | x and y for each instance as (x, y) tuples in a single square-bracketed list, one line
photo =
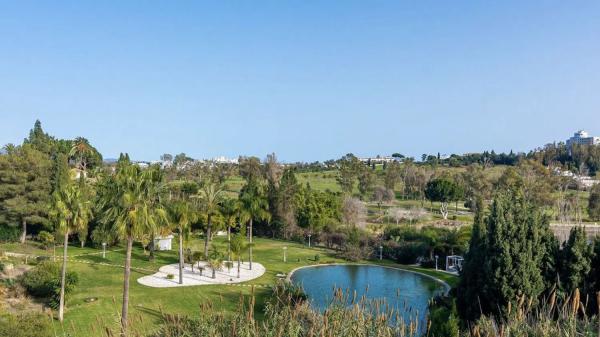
[(72, 210), (80, 150), (231, 212), (181, 215), (255, 206), (210, 194), (133, 206), (238, 247)]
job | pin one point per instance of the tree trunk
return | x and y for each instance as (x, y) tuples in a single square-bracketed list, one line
[(24, 232), (250, 246), (126, 274), (151, 247), (82, 243), (181, 255), (214, 273), (63, 278), (228, 243), (239, 258), (207, 237)]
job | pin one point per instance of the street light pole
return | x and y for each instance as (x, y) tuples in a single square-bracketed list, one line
[(104, 250), (285, 254), (309, 235), (380, 253), (436, 262)]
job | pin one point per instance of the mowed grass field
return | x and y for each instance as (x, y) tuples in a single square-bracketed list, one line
[(105, 284)]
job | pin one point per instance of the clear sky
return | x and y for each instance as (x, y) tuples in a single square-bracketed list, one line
[(309, 80)]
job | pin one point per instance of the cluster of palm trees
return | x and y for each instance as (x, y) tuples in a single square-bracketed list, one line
[(135, 204)]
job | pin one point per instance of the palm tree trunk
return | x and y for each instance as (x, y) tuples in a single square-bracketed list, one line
[(180, 255), (126, 274), (63, 277), (250, 246), (24, 232), (207, 237), (151, 247), (228, 243), (239, 258)]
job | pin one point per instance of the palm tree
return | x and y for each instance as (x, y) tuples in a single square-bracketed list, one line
[(72, 210), (254, 205), (238, 247), (181, 215), (131, 203), (81, 149), (231, 212), (210, 195), (215, 262)]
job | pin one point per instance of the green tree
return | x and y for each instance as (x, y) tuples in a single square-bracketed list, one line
[(347, 172), (71, 208), (181, 215), (253, 203), (393, 175), (211, 195), (594, 203), (366, 182), (442, 190), (132, 205), (238, 247), (576, 260), (25, 188), (286, 200), (505, 257), (230, 211)]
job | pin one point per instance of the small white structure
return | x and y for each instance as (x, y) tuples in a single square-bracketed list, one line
[(163, 242), (454, 263)]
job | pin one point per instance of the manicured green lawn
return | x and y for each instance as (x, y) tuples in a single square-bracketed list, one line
[(105, 283)]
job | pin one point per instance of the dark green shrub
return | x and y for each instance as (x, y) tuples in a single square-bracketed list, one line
[(44, 281), (8, 234), (46, 239), (409, 252)]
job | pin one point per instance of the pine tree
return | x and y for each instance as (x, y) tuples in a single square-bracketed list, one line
[(25, 188)]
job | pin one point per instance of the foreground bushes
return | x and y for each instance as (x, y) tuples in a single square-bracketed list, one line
[(288, 315), (44, 281), (26, 325)]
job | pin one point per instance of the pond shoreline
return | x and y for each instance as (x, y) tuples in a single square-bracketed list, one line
[(444, 283)]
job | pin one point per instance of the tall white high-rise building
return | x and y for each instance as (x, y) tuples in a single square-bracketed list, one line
[(581, 137)]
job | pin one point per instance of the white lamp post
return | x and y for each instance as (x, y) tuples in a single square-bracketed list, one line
[(380, 253), (285, 254), (436, 262), (309, 235), (104, 250)]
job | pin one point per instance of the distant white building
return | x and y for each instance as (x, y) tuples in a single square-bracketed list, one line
[(581, 137), (225, 160), (163, 242), (379, 159)]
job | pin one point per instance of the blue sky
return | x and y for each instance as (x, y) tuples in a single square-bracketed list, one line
[(309, 80)]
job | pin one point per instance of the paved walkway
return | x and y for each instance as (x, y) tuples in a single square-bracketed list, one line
[(194, 278)]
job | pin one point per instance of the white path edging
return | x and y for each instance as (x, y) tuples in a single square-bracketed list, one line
[(160, 280)]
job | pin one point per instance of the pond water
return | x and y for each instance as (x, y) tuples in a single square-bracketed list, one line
[(406, 292)]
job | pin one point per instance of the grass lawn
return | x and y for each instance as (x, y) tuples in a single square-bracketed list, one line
[(105, 283)]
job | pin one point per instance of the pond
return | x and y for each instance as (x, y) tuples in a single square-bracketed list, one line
[(406, 292)]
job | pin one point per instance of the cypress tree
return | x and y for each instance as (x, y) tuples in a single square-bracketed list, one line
[(472, 280), (506, 257), (576, 260)]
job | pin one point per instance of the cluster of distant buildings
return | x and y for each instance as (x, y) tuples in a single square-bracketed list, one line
[(169, 163)]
